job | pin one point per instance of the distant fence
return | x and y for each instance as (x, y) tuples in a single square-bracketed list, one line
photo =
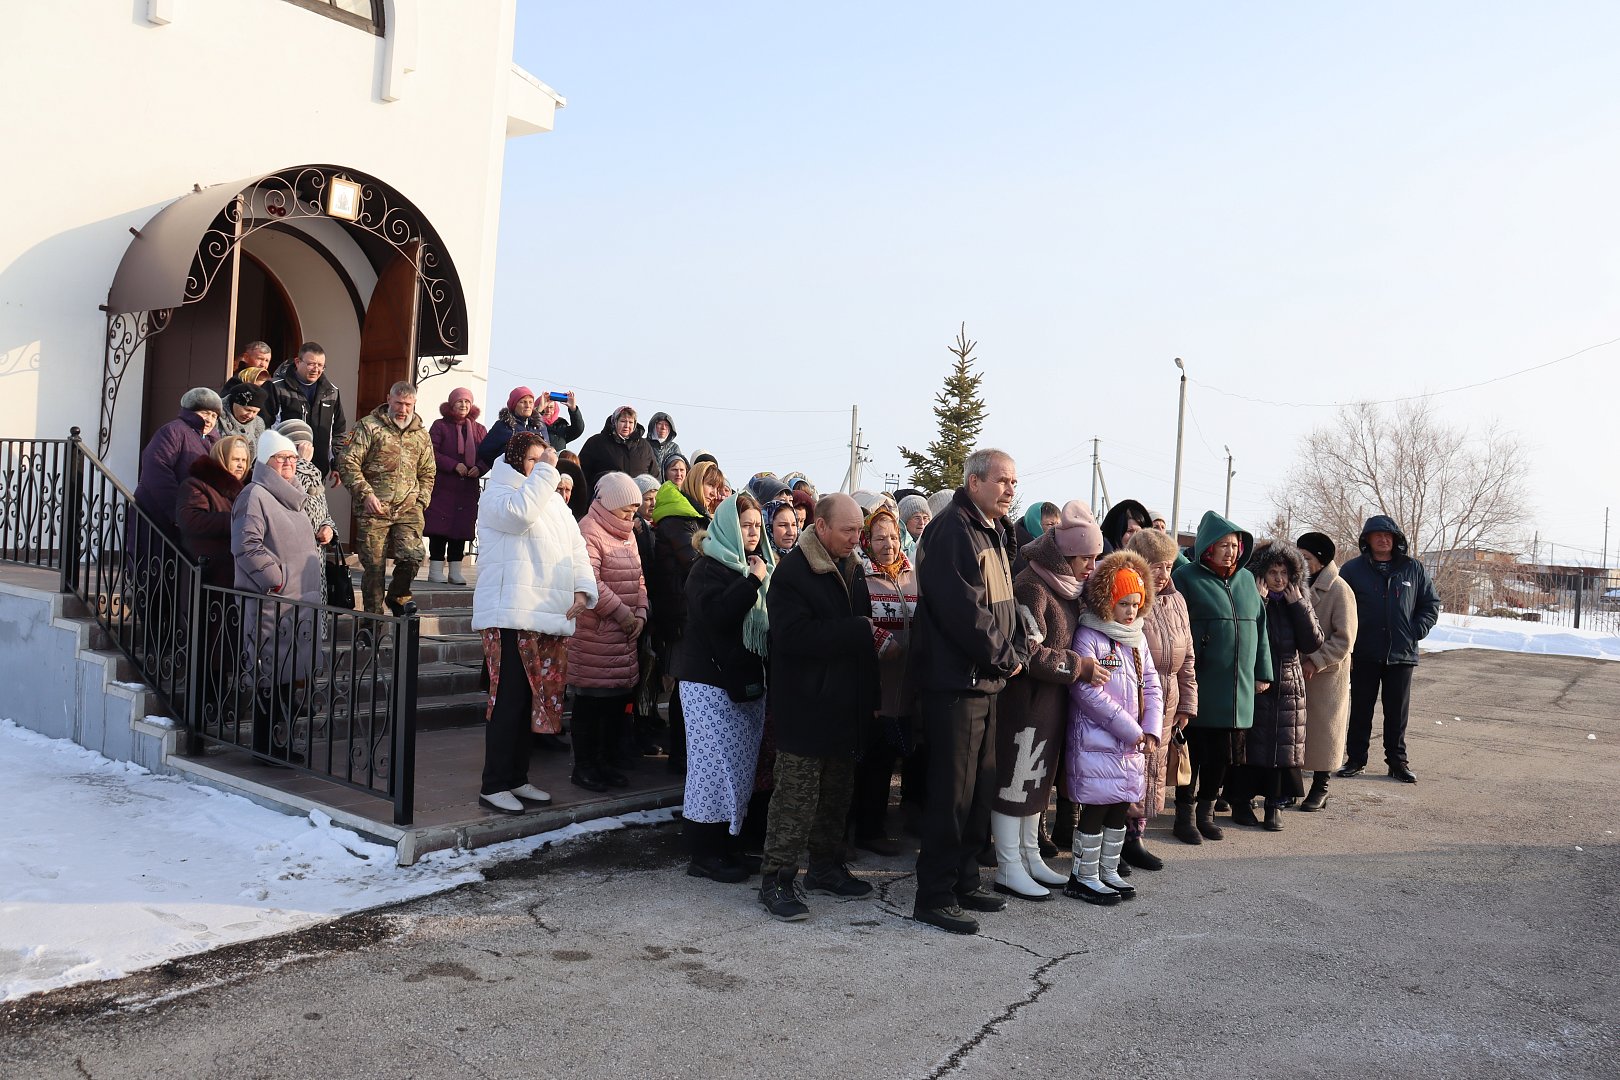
[(1582, 601)]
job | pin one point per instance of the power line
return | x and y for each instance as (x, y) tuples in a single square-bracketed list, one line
[(691, 404), (1409, 397)]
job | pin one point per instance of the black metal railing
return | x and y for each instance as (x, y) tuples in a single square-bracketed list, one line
[(32, 476), (326, 691)]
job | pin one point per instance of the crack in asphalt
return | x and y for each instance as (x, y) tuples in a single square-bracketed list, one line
[(993, 1025)]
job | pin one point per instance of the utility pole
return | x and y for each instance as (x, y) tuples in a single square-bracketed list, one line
[(1227, 513), (852, 476), (1181, 421), (1605, 541), (1094, 467)]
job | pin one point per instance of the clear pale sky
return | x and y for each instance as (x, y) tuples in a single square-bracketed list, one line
[(755, 207)]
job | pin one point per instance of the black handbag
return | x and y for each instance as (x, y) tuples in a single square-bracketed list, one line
[(339, 584)]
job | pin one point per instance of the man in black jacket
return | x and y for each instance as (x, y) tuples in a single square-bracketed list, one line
[(823, 691), (1396, 606), (965, 645), (301, 391)]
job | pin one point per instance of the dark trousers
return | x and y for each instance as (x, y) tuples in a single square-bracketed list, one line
[(874, 774), (961, 728), (438, 545), (1210, 751), (595, 724), (506, 735), (1367, 679)]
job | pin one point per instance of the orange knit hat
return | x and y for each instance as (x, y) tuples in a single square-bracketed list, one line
[(1127, 581)]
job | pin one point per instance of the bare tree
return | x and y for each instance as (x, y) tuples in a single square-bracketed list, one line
[(1450, 490)]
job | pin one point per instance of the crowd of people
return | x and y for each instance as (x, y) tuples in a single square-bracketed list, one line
[(811, 646)]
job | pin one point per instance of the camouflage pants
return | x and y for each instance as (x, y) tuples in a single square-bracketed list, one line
[(808, 810), (376, 540)]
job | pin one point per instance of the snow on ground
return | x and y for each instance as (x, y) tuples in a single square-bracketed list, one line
[(106, 868), (1514, 635)]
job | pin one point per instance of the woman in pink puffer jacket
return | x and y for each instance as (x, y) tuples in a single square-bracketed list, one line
[(603, 662)]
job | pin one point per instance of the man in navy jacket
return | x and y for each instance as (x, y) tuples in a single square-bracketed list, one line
[(1397, 607)]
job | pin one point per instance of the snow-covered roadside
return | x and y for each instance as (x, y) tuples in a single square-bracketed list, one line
[(106, 868), (1513, 635)]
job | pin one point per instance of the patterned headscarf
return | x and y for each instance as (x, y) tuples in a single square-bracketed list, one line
[(770, 510), (518, 448), (901, 564)]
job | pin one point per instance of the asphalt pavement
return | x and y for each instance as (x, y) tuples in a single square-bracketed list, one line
[(1461, 927)]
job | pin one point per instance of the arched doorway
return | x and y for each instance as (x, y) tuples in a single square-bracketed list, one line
[(314, 252)]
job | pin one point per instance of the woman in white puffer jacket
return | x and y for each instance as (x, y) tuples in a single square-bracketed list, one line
[(534, 578)]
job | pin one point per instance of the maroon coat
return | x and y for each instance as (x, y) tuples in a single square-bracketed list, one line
[(453, 511), (203, 512)]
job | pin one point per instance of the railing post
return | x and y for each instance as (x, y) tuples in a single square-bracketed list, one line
[(197, 638), (72, 512), (407, 650), (1580, 587)]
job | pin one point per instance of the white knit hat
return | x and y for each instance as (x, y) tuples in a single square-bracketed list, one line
[(271, 443)]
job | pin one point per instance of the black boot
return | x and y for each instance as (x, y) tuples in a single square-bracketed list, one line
[(587, 751), (1068, 815), (1316, 798), (1206, 820), (1243, 811), (1138, 856), (1184, 829), (1273, 818), (780, 894), (706, 841)]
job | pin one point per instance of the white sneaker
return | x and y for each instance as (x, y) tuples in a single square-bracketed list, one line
[(503, 801), (530, 793)]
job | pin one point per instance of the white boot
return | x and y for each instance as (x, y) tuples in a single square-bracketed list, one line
[(1113, 842), (1085, 884), (436, 571), (1029, 845), (1011, 877), (455, 577)]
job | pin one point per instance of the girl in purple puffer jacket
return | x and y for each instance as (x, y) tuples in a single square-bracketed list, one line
[(1110, 725)]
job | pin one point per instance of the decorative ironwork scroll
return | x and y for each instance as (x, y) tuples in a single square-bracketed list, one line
[(126, 333)]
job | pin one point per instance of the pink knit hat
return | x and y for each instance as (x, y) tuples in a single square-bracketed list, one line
[(520, 392), (616, 489), (1077, 533)]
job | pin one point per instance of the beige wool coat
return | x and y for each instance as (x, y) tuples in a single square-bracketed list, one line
[(1327, 693)]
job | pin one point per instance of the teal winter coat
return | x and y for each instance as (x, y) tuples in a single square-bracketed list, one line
[(1228, 620)]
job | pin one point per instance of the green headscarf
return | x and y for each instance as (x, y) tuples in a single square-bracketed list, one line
[(723, 543), (1032, 519), (672, 503)]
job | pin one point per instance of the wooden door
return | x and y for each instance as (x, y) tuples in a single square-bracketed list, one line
[(388, 338)]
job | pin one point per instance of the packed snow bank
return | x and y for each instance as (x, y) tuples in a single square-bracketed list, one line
[(106, 868), (1513, 635)]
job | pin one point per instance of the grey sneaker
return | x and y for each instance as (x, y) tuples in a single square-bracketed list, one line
[(780, 894), (834, 879)]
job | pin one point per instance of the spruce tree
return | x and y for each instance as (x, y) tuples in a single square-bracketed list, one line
[(960, 412)]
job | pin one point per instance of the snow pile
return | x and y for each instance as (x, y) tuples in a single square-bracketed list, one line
[(1514, 635), (106, 868)]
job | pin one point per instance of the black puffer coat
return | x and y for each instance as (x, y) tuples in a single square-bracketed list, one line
[(824, 664), (711, 650), (1277, 740)]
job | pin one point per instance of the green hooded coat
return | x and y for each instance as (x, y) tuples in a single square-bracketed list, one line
[(1228, 627)]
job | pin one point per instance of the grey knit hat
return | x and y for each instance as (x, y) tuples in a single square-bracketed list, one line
[(913, 504), (939, 500), (202, 399), (297, 431), (647, 483)]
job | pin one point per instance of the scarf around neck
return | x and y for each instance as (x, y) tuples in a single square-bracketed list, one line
[(615, 526), (1126, 635), (723, 543), (1065, 585)]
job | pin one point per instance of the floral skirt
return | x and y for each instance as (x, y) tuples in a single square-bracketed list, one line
[(545, 661)]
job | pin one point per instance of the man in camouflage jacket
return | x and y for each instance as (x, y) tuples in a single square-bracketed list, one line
[(388, 466)]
